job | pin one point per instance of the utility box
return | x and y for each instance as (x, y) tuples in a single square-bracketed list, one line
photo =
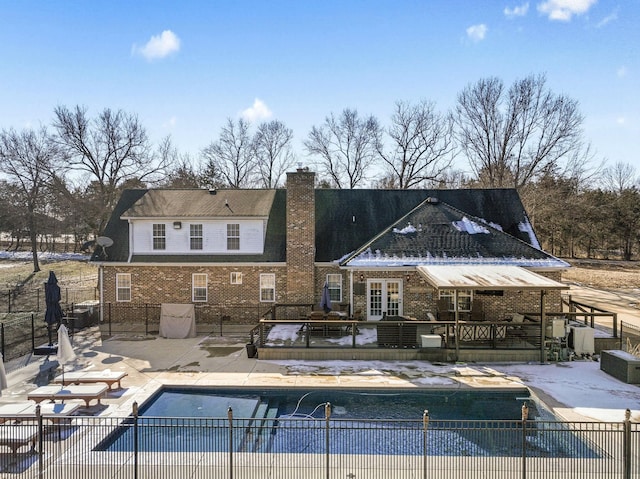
[(555, 329), (621, 365)]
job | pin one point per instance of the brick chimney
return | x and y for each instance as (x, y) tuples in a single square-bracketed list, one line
[(301, 233)]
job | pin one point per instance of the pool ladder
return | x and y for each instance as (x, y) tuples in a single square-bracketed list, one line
[(261, 429)]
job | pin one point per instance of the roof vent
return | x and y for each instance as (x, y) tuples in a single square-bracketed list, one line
[(433, 200)]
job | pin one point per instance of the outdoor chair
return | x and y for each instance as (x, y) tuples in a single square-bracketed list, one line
[(477, 311), (357, 316), (316, 328), (443, 313)]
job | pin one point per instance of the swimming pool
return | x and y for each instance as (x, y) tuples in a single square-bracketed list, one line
[(365, 421)]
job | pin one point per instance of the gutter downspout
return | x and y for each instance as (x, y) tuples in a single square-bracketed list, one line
[(351, 293), (101, 280), (543, 326)]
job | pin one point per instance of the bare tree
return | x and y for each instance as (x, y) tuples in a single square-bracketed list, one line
[(27, 158), (421, 147), (347, 147), (181, 172), (113, 149), (512, 136), (619, 177), (273, 153), (231, 157)]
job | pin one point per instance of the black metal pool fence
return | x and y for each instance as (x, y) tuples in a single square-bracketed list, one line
[(143, 447)]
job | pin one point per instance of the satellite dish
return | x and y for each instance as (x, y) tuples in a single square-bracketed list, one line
[(104, 242)]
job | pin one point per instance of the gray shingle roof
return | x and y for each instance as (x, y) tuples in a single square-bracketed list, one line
[(435, 232), (201, 204), (345, 219)]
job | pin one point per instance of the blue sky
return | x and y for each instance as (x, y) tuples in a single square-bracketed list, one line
[(184, 67)]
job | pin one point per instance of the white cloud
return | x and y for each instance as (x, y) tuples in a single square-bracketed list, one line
[(477, 32), (258, 111), (612, 17), (519, 11), (621, 120), (564, 10), (621, 72), (170, 123), (159, 46)]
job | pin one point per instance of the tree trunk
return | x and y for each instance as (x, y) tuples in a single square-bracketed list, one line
[(34, 243)]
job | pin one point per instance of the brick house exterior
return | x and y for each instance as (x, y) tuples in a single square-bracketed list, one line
[(240, 252)]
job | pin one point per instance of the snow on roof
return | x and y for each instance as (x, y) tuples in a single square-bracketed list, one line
[(406, 230), (465, 225), (377, 259), (526, 227)]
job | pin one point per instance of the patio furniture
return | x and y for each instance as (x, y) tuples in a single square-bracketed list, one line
[(15, 436), (443, 311), (86, 392), (26, 411), (397, 335), (110, 378), (477, 311), (177, 321)]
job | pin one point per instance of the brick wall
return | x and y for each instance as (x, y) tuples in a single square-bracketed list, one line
[(301, 233), (173, 284)]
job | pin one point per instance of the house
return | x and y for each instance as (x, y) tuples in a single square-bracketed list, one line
[(381, 252)]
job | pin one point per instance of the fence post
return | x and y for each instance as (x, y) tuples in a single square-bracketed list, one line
[(40, 442), (9, 302), (2, 339), (33, 333), (627, 444), (230, 417), (615, 325), (525, 416), (135, 440), (425, 425), (327, 416)]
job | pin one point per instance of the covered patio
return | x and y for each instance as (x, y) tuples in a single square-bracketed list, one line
[(471, 326), (449, 329)]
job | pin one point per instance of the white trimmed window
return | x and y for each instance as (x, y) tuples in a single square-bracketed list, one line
[(465, 296), (267, 287), (233, 236), (236, 277), (334, 282), (199, 287), (195, 237), (123, 287), (159, 236)]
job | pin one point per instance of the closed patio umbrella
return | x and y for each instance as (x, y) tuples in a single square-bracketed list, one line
[(65, 350), (325, 300), (53, 313)]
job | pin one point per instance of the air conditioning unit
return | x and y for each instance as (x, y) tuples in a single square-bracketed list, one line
[(621, 365)]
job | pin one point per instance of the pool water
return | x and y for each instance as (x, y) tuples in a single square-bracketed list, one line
[(455, 404), (369, 421)]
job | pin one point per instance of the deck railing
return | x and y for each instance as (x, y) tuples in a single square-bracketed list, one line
[(322, 447)]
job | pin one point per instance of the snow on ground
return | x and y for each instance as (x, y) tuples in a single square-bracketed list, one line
[(46, 256)]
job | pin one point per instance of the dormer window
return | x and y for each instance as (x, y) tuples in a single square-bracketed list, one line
[(159, 236), (233, 236), (195, 237)]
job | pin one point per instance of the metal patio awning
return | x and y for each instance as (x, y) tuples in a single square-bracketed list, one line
[(496, 277)]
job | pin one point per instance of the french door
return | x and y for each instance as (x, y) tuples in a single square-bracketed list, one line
[(383, 296)]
